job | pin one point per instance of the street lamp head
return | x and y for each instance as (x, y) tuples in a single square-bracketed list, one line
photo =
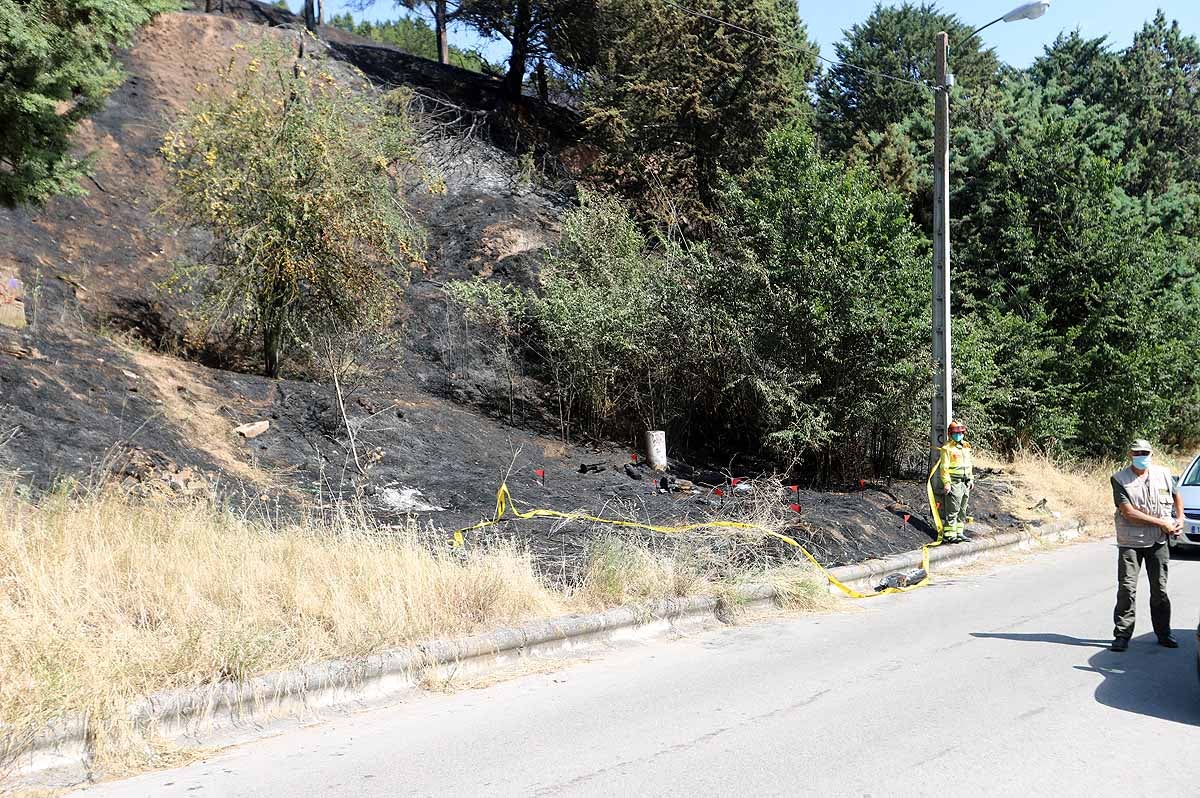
[(1027, 11)]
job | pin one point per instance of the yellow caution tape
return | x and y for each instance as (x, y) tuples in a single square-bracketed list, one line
[(505, 504)]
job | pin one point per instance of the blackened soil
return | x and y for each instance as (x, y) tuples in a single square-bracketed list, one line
[(107, 381)]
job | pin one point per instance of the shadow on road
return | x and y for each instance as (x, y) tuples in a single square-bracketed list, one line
[(1062, 640), (1146, 680), (1150, 680)]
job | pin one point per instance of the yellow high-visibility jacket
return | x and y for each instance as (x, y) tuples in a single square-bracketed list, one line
[(956, 463)]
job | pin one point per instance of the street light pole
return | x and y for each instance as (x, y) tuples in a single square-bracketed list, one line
[(943, 395)]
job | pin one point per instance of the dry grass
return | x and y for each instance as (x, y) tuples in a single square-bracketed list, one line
[(104, 597), (1076, 489)]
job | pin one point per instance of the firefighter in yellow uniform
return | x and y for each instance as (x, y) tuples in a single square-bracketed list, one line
[(956, 469)]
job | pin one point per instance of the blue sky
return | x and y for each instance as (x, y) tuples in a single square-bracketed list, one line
[(1016, 43)]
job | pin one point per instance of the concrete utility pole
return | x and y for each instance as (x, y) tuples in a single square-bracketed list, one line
[(943, 393), (943, 396)]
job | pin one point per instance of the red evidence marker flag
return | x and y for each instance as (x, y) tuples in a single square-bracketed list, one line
[(541, 473), (734, 481), (906, 517), (633, 457), (718, 491), (794, 488), (795, 508)]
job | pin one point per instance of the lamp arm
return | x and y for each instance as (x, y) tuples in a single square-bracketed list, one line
[(977, 31)]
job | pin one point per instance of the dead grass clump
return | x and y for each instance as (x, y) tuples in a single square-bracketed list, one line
[(1076, 489), (620, 571), (103, 598)]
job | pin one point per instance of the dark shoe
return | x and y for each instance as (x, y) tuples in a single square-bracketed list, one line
[(1168, 642), (1120, 644)]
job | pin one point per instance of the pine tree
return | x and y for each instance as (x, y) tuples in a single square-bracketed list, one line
[(57, 66), (676, 100), (855, 97)]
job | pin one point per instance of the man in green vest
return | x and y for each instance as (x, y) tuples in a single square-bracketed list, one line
[(956, 470)]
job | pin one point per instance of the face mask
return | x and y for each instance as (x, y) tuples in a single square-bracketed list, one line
[(958, 436), (1141, 462)]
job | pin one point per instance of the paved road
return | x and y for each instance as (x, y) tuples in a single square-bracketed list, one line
[(997, 683)]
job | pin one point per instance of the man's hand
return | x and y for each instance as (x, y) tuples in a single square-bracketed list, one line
[(1172, 526)]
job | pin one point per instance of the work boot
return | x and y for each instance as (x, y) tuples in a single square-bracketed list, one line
[(1168, 642), (1120, 644)]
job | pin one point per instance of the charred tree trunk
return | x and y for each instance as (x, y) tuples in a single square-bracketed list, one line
[(310, 15), (543, 85), (439, 24), (517, 62)]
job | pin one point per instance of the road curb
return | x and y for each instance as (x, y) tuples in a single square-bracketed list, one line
[(868, 574), (230, 713)]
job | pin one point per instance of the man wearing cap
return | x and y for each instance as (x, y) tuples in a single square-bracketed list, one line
[(1149, 508)]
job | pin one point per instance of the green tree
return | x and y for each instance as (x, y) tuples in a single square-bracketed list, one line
[(854, 97), (57, 66), (842, 307), (412, 35), (294, 175), (531, 28), (675, 101), (1156, 88), (1074, 68), (1075, 292), (798, 330)]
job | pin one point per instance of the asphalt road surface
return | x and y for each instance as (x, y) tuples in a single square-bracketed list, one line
[(989, 683)]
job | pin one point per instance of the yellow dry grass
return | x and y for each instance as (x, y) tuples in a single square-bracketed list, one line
[(105, 597), (1076, 489)]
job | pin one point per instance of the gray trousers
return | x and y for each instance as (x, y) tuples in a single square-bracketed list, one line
[(1129, 565), (957, 499)]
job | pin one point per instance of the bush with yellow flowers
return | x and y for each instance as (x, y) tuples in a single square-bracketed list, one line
[(295, 174)]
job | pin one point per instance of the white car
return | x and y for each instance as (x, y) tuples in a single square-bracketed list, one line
[(1189, 488)]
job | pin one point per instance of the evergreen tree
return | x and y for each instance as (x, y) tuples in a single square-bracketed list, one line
[(57, 66), (675, 100), (532, 29), (854, 97)]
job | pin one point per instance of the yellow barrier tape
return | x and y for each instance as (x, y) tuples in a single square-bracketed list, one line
[(505, 503)]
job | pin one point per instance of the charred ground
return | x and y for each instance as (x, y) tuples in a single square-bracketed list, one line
[(108, 378)]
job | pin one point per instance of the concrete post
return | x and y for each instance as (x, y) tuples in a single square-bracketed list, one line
[(656, 449)]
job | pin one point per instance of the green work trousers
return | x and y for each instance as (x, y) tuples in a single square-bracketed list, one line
[(957, 499), (1129, 565)]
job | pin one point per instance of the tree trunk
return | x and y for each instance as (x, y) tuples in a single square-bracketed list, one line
[(272, 343), (515, 79), (543, 86), (310, 15), (439, 24)]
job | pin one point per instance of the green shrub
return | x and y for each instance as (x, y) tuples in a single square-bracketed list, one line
[(799, 331), (294, 174)]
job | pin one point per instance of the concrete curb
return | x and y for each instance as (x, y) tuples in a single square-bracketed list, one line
[(229, 713), (866, 575)]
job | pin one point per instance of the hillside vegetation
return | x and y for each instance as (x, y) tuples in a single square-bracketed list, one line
[(775, 236)]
